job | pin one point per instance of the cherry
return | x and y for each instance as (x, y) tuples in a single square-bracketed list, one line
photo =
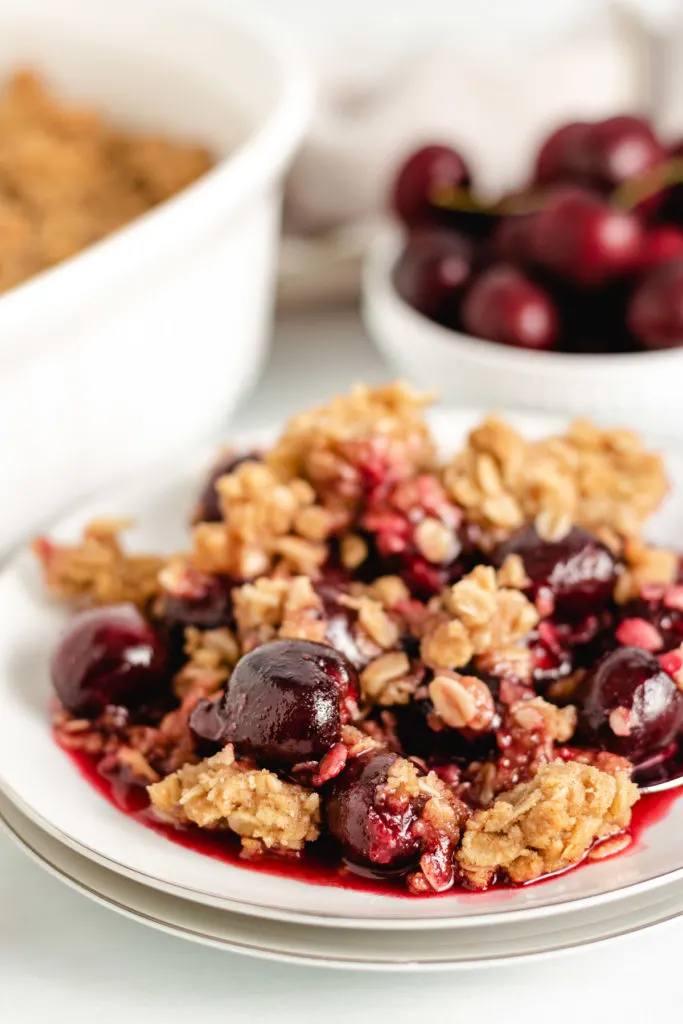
[(661, 610), (611, 152), (575, 576), (208, 605), (660, 245), (285, 703), (432, 270), (506, 306), (655, 312), (556, 159), (582, 238), (629, 705), (426, 175), (373, 830), (208, 509), (512, 240), (108, 656)]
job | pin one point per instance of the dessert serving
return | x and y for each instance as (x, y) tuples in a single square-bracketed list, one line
[(69, 179), (381, 665)]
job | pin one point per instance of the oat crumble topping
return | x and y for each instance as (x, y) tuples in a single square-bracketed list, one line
[(546, 824), (221, 792)]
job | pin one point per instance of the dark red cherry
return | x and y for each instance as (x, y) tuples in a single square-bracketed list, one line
[(556, 160), (109, 656), (285, 703), (583, 239), (504, 305), (655, 312), (373, 830), (662, 609), (574, 575), (426, 178), (661, 244), (629, 705), (432, 270), (613, 151), (207, 604), (512, 240), (208, 509)]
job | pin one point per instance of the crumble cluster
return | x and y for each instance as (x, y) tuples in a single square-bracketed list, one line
[(317, 537), (68, 179), (221, 792)]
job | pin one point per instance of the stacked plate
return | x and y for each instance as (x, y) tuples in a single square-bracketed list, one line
[(69, 828)]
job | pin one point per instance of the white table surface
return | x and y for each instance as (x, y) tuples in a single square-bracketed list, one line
[(64, 958)]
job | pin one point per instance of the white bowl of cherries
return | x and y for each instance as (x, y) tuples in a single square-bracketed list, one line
[(566, 296)]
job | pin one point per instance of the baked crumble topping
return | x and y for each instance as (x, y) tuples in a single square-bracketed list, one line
[(221, 792), (437, 666), (546, 824), (68, 178)]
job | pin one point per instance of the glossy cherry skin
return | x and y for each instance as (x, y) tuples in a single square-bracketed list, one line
[(613, 151), (655, 312), (427, 175), (109, 656), (208, 509), (661, 244), (512, 240), (210, 608), (581, 238), (372, 833), (432, 270), (285, 703), (556, 160), (504, 305), (629, 692), (577, 573)]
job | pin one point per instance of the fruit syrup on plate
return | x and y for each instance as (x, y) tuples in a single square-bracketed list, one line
[(586, 258)]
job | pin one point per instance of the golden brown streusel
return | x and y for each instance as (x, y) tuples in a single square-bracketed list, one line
[(211, 656), (272, 608), (223, 793), (546, 824), (644, 564), (326, 445), (595, 478), (478, 617), (98, 571), (67, 179)]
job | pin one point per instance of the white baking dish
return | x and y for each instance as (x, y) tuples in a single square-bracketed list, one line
[(145, 341)]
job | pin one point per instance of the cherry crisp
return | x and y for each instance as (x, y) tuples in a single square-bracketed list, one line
[(447, 671)]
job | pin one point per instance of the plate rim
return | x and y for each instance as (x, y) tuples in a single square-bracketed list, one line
[(337, 962)]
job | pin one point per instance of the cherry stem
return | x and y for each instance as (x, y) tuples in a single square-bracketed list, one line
[(636, 190)]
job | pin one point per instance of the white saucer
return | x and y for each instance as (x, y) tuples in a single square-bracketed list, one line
[(44, 784), (329, 947)]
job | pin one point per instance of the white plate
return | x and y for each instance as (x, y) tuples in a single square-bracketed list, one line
[(42, 781), (337, 947)]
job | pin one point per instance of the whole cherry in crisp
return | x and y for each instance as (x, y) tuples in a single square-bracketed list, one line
[(109, 656), (505, 305), (573, 576), (629, 705), (432, 271), (374, 831), (427, 179), (285, 703), (585, 240), (655, 311)]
